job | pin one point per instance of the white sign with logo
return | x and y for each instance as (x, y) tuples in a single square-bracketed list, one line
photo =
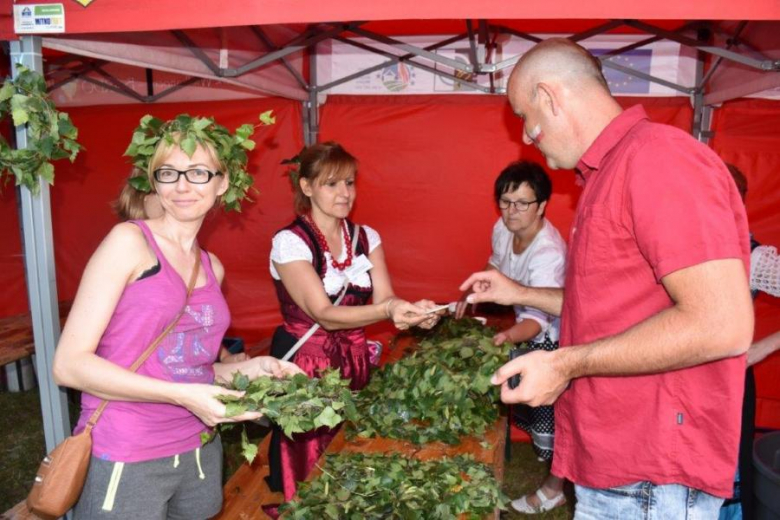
[(39, 18), (338, 60)]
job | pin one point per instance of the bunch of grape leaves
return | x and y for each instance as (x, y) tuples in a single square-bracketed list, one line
[(296, 404), (439, 391), (356, 486)]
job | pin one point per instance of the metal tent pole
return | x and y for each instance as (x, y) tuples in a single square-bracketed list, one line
[(38, 247), (702, 114), (311, 121)]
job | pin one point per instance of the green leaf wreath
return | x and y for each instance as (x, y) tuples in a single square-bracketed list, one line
[(51, 134), (189, 132)]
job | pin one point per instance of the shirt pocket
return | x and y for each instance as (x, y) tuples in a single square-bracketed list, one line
[(599, 242)]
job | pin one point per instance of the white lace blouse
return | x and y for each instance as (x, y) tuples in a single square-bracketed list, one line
[(288, 247), (765, 270)]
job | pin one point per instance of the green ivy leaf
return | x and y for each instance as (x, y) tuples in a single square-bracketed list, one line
[(235, 408), (201, 124), (188, 145), (267, 117), (248, 449), (240, 381), (7, 91), (46, 172), (328, 418), (245, 131), (19, 116)]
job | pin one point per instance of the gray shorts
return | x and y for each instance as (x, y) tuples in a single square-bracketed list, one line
[(186, 487)]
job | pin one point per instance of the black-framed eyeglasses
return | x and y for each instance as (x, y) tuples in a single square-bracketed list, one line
[(520, 205), (193, 175)]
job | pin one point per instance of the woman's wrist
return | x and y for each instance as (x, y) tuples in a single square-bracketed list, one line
[(387, 307)]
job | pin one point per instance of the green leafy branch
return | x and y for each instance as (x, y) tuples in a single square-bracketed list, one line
[(50, 134), (439, 392), (297, 404), (356, 486)]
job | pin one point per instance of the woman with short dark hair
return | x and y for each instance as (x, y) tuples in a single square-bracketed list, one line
[(528, 249)]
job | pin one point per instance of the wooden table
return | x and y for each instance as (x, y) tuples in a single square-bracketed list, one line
[(247, 491)]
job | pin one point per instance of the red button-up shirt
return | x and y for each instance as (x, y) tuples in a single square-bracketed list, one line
[(655, 201)]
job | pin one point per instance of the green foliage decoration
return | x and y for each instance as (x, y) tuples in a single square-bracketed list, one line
[(355, 486), (293, 167), (438, 392), (50, 134), (296, 404), (188, 132)]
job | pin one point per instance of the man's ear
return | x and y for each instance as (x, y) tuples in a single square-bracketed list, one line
[(548, 98)]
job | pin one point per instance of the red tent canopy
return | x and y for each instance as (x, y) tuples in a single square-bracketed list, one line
[(158, 15), (427, 162)]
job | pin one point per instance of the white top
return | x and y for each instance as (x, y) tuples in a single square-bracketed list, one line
[(542, 264), (289, 247)]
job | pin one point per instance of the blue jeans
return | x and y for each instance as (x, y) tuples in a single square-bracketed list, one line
[(645, 501)]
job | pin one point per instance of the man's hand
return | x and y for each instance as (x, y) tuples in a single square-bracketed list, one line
[(492, 286), (541, 383)]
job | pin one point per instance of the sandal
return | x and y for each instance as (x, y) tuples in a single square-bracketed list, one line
[(521, 505)]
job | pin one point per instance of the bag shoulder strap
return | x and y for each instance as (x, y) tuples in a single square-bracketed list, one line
[(313, 329), (148, 352)]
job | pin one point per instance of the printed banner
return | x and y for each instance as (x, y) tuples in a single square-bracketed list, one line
[(337, 60), (39, 18)]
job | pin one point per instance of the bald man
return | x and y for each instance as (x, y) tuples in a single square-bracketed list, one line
[(656, 313)]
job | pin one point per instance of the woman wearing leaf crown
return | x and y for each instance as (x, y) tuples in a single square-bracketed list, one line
[(147, 460), (312, 260)]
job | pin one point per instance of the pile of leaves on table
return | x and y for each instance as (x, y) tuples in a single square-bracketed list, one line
[(355, 486), (296, 404), (440, 391)]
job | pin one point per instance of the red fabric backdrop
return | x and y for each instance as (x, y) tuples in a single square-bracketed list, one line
[(427, 165), (746, 134)]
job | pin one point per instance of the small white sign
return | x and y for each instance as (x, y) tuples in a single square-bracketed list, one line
[(361, 264), (39, 18)]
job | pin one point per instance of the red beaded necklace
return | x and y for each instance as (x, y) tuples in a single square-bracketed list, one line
[(324, 243)]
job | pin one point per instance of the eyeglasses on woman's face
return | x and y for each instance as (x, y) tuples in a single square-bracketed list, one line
[(169, 175), (519, 205)]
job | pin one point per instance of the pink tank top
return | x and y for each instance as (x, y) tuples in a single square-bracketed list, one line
[(132, 431)]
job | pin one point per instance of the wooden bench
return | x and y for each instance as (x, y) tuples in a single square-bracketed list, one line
[(19, 512), (16, 335)]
